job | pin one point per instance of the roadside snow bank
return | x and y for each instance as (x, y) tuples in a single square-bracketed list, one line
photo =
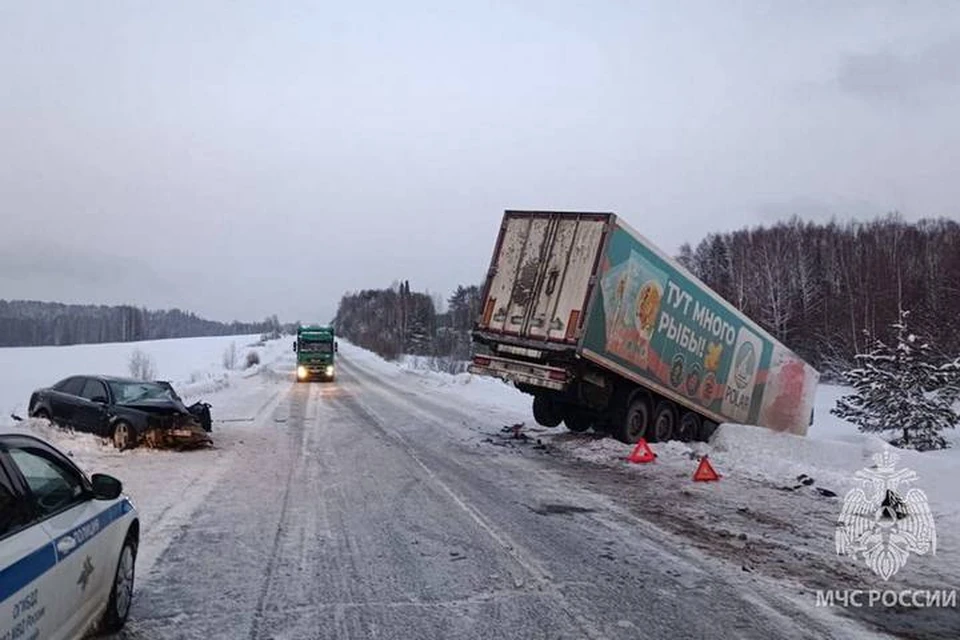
[(482, 391), (776, 456), (195, 366), (84, 448)]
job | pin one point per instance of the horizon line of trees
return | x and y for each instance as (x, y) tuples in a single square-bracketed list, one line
[(397, 321), (822, 289), (30, 323)]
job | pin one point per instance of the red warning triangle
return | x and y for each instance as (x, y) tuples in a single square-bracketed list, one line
[(705, 472), (642, 452)]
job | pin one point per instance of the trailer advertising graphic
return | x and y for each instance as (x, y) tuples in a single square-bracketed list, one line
[(670, 330)]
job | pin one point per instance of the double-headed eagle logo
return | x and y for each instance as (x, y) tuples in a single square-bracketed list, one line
[(881, 523)]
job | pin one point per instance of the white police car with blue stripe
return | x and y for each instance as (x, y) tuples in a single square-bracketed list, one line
[(68, 545)]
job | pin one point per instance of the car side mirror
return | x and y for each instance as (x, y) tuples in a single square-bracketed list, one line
[(105, 487)]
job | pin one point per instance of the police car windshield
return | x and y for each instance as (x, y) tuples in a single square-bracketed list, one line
[(133, 391)]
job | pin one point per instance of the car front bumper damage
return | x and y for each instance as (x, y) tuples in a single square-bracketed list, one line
[(180, 436)]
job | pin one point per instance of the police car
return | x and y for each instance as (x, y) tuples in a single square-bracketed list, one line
[(68, 545)]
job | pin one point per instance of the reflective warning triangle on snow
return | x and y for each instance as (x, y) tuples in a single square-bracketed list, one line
[(705, 472), (642, 452)]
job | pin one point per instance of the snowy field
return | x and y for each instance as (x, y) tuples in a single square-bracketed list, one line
[(166, 486), (194, 365)]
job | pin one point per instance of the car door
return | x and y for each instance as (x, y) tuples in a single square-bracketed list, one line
[(26, 562), (63, 400), (90, 410), (61, 499)]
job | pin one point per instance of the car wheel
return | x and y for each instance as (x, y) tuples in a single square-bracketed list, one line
[(124, 437), (121, 595)]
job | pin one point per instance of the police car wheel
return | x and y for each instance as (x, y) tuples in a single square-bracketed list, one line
[(121, 595)]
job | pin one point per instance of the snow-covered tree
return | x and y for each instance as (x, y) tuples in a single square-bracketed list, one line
[(902, 388), (141, 366)]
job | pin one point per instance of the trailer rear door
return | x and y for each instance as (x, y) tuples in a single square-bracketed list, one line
[(542, 274)]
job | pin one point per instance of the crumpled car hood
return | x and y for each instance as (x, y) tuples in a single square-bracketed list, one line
[(157, 405)]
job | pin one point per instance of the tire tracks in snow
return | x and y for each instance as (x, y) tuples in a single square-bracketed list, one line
[(297, 417), (159, 533), (543, 581)]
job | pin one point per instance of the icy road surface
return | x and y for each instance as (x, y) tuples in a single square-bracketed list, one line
[(360, 509)]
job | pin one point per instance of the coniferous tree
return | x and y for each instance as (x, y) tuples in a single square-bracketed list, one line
[(901, 388)]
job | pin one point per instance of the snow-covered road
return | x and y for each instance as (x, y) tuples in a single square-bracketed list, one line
[(371, 508)]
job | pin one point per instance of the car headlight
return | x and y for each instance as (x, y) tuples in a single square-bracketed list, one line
[(302, 372)]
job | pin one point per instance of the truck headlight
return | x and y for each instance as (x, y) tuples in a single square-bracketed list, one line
[(302, 372), (330, 370)]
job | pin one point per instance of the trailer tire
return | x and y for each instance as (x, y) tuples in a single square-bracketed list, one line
[(546, 412), (707, 429), (635, 421), (690, 427), (664, 422), (578, 421)]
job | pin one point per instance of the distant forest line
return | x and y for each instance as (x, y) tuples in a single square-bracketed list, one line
[(27, 323), (818, 288)]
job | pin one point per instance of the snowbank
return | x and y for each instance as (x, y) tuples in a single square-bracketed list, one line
[(478, 390), (165, 485), (193, 365)]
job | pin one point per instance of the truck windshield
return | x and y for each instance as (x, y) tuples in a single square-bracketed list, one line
[(316, 347)]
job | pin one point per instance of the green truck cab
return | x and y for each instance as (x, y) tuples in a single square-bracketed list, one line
[(316, 349)]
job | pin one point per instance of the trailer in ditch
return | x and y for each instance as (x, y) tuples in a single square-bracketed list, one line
[(605, 331)]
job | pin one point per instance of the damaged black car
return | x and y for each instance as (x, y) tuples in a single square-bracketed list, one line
[(126, 411)]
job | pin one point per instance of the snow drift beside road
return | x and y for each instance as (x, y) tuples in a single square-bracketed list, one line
[(166, 486), (193, 365)]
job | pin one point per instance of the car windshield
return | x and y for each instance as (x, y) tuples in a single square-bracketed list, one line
[(125, 392)]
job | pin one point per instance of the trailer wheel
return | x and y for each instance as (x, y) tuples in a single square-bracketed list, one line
[(545, 411), (707, 430), (578, 421), (664, 421), (689, 428), (635, 422)]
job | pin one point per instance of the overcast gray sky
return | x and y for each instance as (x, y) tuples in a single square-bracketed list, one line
[(241, 159)]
